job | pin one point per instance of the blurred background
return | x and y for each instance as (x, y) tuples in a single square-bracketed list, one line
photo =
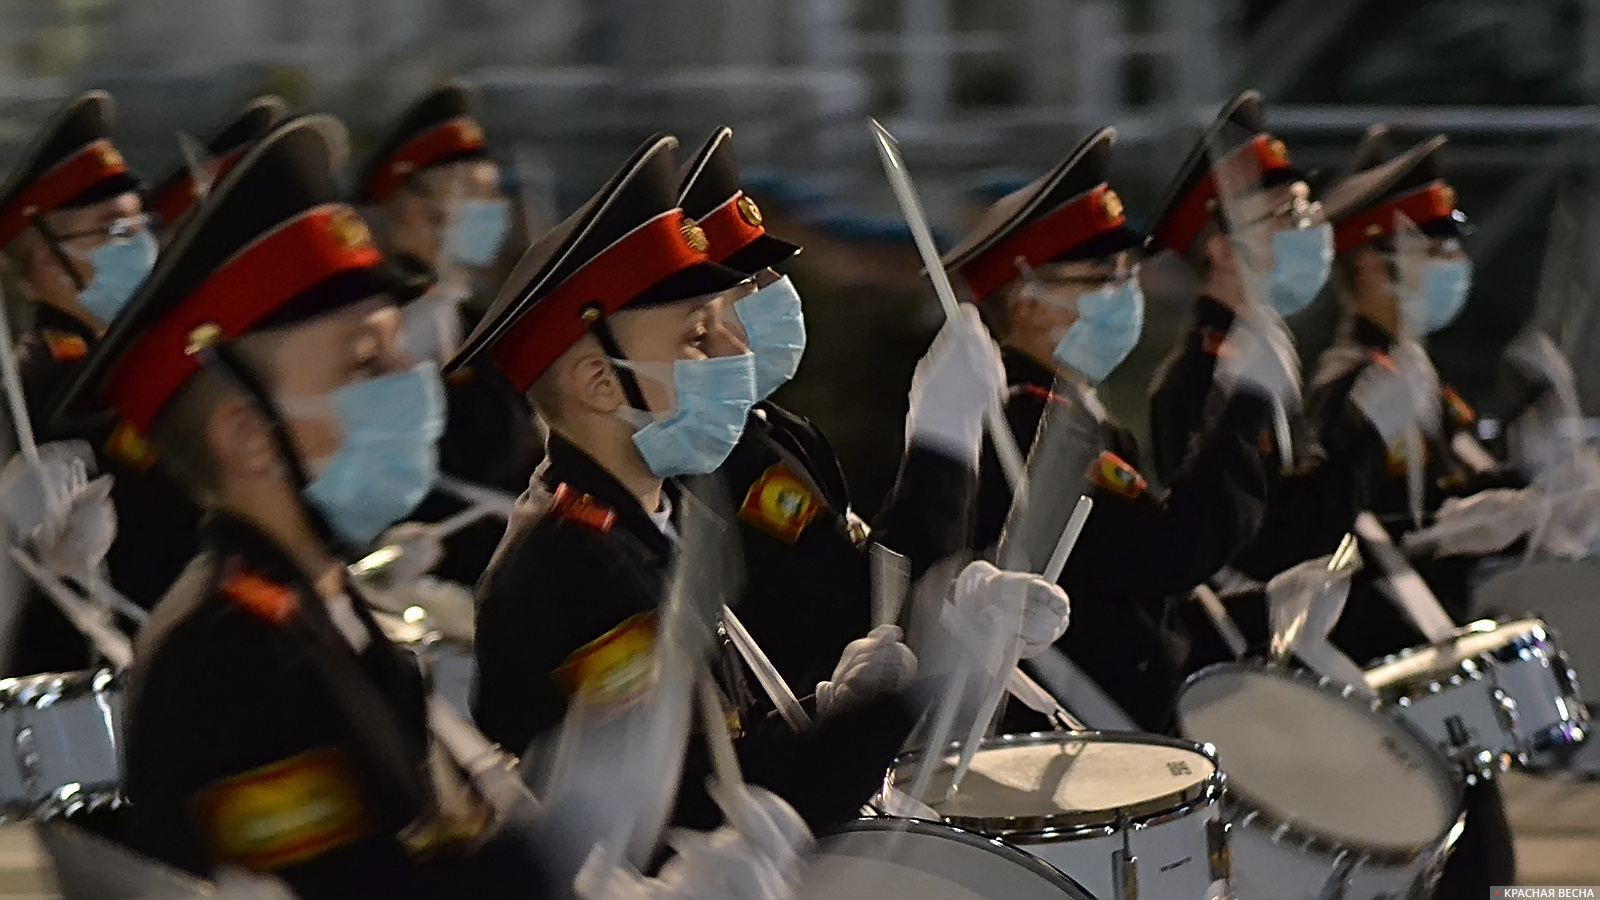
[(984, 95)]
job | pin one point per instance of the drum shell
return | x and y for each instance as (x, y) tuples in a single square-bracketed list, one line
[(64, 734), (1179, 841), (1518, 699)]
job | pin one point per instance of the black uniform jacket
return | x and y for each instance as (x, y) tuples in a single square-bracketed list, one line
[(581, 569), (1138, 547), (1310, 507), (156, 522), (237, 752)]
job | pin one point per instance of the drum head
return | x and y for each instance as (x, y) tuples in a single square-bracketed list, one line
[(1435, 662), (1076, 780), (1563, 594), (909, 859), (1328, 766)]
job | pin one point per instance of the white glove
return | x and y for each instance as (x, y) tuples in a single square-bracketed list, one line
[(1383, 397), (1043, 607), (1258, 357), (1536, 356), (872, 666), (53, 506), (1484, 523), (1417, 370), (953, 386), (417, 549), (757, 860)]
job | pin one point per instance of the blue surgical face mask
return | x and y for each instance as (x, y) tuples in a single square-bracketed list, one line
[(1303, 258), (714, 398), (477, 229), (120, 266), (776, 328), (1108, 326), (388, 458), (1444, 287)]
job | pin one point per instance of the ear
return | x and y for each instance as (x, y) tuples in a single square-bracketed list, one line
[(1373, 276), (239, 440), (1218, 250), (590, 383)]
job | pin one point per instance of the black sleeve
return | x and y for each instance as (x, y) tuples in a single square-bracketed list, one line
[(491, 436), (1212, 509), (927, 516), (1178, 396), (558, 587)]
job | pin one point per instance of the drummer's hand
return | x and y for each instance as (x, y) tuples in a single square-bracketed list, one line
[(53, 506), (1484, 523), (419, 551), (1043, 607), (872, 666), (954, 385), (756, 856)]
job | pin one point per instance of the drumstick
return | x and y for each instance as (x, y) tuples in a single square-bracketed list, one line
[(1005, 443), (724, 761), (766, 673), (891, 577), (111, 643)]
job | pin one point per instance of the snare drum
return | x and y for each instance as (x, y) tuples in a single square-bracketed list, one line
[(1327, 796), (1127, 815), (1492, 695), (64, 734), (1566, 596), (447, 664), (909, 859)]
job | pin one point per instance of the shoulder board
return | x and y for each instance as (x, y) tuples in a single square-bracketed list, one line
[(1110, 472), (462, 376), (267, 600), (582, 509), (65, 347), (1461, 412), (1040, 393), (1211, 340), (780, 504), (285, 813), (615, 669)]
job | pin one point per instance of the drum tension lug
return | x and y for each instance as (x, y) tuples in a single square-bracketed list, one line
[(1339, 879), (1125, 867)]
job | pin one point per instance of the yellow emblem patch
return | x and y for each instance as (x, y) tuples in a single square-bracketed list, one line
[(1461, 412), (129, 446), (1112, 474), (780, 504), (285, 813), (615, 669)]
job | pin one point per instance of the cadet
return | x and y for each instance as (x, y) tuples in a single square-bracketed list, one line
[(74, 244), (802, 540), (177, 193), (269, 723), (1383, 321), (433, 194), (612, 327), (1052, 266)]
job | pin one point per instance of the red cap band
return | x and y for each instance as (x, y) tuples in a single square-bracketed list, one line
[(301, 253), (180, 196), (457, 136), (732, 226), (91, 164), (1435, 200), (1251, 160), (656, 250), (1081, 219)]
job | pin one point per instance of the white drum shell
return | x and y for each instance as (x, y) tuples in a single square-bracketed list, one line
[(63, 734)]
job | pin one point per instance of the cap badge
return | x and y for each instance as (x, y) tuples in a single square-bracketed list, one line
[(201, 337), (348, 231), (109, 158), (749, 211), (1447, 196), (694, 236), (1277, 153), (468, 132), (1110, 205)]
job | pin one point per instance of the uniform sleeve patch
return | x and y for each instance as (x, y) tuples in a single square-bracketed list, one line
[(780, 504), (1211, 340), (571, 506), (267, 600), (615, 669), (1461, 412), (285, 813), (65, 347), (1041, 393), (128, 445), (1111, 473)]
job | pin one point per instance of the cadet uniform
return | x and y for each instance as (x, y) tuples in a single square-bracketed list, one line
[(570, 585), (804, 545), (1123, 634), (72, 164), (265, 727), (490, 436), (1363, 208)]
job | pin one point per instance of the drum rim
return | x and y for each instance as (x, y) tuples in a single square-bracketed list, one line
[(47, 688), (1086, 823), (1052, 875), (1254, 813), (1467, 668)]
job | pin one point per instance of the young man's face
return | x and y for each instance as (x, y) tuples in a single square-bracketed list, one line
[(79, 232), (660, 335), (420, 209), (312, 359), (1050, 304)]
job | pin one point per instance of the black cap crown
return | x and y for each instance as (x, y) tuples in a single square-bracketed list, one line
[(175, 194), (710, 193)]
